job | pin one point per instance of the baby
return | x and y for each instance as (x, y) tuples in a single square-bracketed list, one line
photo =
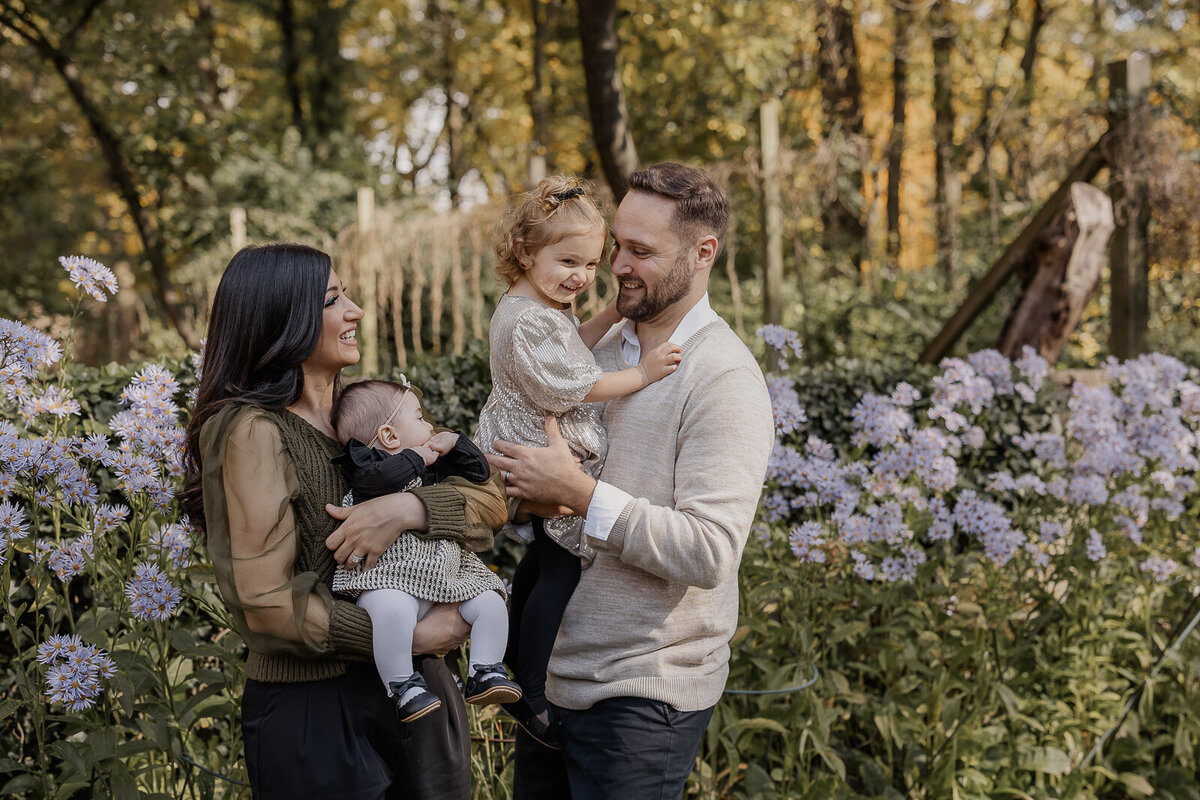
[(402, 452)]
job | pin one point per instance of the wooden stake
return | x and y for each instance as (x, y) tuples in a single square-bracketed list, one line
[(1129, 259), (368, 276)]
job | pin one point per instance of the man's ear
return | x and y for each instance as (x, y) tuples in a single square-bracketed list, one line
[(706, 252)]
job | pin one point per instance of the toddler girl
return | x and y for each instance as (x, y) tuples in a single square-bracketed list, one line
[(402, 453), (548, 249)]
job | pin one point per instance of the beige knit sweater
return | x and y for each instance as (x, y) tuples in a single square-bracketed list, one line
[(653, 616)]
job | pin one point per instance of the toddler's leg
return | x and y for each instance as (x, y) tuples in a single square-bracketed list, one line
[(558, 573), (393, 614), (489, 627)]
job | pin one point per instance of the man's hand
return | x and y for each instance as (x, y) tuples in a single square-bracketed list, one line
[(545, 476), (440, 631), (442, 443)]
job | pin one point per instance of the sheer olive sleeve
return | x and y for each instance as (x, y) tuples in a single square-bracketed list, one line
[(249, 484)]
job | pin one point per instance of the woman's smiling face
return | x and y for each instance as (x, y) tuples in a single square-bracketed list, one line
[(338, 345)]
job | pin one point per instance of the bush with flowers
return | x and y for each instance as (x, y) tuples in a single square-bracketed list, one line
[(995, 578), (116, 679)]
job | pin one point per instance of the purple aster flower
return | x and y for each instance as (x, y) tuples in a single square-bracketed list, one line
[(1161, 568), (151, 595), (91, 276), (1095, 546), (782, 339)]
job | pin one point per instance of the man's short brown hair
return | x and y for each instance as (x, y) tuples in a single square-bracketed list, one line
[(701, 205)]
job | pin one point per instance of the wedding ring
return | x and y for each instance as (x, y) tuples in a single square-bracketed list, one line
[(355, 560), (507, 476)]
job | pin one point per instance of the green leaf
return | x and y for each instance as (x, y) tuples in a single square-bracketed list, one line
[(1136, 784), (7, 707), (759, 724), (22, 785), (1049, 760)]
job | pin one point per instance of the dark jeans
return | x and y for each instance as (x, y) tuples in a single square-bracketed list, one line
[(542, 585), (624, 747), (339, 738)]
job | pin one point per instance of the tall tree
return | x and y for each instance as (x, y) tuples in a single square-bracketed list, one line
[(902, 19), (841, 96), (946, 188), (286, 15), (606, 99), (140, 206)]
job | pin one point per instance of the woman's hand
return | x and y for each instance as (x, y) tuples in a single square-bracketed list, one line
[(440, 631), (370, 528)]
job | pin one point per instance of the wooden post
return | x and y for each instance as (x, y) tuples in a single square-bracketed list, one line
[(772, 214), (735, 288), (237, 227), (1129, 261), (986, 288), (368, 275), (1060, 275)]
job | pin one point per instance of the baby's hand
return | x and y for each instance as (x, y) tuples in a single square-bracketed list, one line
[(443, 442), (662, 361), (426, 452)]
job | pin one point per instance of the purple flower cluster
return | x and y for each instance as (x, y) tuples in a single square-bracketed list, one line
[(91, 276), (74, 671), (174, 542), (13, 525), (782, 339), (785, 405), (1124, 465), (152, 597)]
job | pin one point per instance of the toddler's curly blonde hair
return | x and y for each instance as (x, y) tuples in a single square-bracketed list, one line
[(561, 205)]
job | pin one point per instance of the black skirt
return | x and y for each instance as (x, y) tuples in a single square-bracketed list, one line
[(338, 739)]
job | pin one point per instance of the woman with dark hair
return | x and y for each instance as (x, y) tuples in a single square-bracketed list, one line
[(260, 482)]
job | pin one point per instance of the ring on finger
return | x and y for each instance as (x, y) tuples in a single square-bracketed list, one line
[(355, 561), (507, 476)]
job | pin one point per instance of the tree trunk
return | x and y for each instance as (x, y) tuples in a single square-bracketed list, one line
[(946, 191), (1060, 274), (538, 106), (841, 94), (454, 111), (606, 97), (291, 65), (903, 18), (1040, 15), (325, 98), (118, 165)]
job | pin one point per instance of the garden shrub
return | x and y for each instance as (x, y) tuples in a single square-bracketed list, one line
[(991, 575)]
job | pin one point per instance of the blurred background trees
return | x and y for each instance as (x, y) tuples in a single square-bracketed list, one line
[(916, 140)]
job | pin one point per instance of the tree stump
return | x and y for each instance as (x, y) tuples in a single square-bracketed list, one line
[(1060, 275)]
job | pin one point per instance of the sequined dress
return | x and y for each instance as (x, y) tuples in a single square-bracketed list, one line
[(540, 366)]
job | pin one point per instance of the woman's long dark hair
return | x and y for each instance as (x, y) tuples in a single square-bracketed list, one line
[(266, 320)]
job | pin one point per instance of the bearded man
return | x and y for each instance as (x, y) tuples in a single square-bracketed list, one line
[(642, 653)]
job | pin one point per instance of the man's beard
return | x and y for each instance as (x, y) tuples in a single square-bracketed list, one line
[(671, 288)]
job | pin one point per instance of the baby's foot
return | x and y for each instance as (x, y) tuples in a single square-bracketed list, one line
[(489, 683)]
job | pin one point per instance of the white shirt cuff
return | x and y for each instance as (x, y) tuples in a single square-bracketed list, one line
[(607, 504)]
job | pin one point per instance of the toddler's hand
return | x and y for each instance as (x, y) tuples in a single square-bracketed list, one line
[(662, 361), (426, 453), (443, 442)]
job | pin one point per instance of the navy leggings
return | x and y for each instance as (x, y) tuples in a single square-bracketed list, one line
[(542, 585)]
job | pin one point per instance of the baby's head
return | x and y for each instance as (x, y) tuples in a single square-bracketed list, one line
[(384, 414), (560, 214)]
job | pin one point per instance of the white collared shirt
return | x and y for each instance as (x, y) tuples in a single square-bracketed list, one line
[(608, 501)]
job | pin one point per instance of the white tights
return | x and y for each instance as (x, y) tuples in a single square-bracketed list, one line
[(394, 614)]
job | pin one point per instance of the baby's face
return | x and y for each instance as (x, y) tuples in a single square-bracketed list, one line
[(409, 426)]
